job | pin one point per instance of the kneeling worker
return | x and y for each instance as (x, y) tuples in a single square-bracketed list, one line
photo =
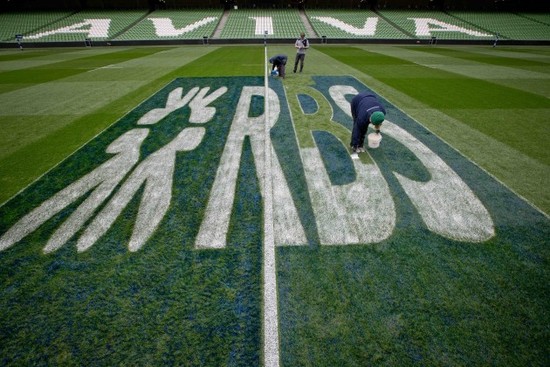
[(365, 110), (279, 61)]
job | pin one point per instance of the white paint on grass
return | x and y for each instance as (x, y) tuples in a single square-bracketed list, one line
[(105, 67), (270, 312), (357, 213), (197, 99), (175, 101), (156, 173), (288, 228), (447, 205), (362, 211), (102, 181), (201, 112), (215, 225)]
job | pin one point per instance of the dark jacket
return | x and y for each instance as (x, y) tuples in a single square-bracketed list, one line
[(363, 106), (278, 60)]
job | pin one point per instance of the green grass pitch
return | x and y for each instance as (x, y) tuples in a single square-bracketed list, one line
[(413, 298)]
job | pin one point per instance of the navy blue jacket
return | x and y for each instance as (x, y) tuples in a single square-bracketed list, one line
[(278, 60), (363, 106)]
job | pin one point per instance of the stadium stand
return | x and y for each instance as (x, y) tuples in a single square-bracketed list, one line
[(174, 24), (252, 23), (543, 18), (428, 23), (339, 24), (27, 22), (508, 25), (96, 25), (248, 25)]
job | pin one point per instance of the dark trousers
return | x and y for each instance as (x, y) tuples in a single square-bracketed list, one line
[(299, 58), (358, 132), (280, 67)]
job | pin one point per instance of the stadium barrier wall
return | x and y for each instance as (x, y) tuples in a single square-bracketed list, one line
[(249, 41)]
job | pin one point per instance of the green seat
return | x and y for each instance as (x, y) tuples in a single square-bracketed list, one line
[(241, 23), (26, 23)]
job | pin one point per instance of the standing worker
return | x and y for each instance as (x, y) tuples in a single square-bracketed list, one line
[(365, 109), (279, 62), (301, 44)]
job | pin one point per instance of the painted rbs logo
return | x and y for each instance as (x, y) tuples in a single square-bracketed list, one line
[(231, 110)]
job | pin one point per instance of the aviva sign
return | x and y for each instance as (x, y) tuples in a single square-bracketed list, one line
[(179, 154), (164, 28)]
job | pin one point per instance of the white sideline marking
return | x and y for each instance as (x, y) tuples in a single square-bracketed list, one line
[(112, 66), (271, 317)]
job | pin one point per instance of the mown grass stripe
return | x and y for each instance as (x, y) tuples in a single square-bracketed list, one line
[(17, 55), (16, 79), (493, 59), (24, 165)]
